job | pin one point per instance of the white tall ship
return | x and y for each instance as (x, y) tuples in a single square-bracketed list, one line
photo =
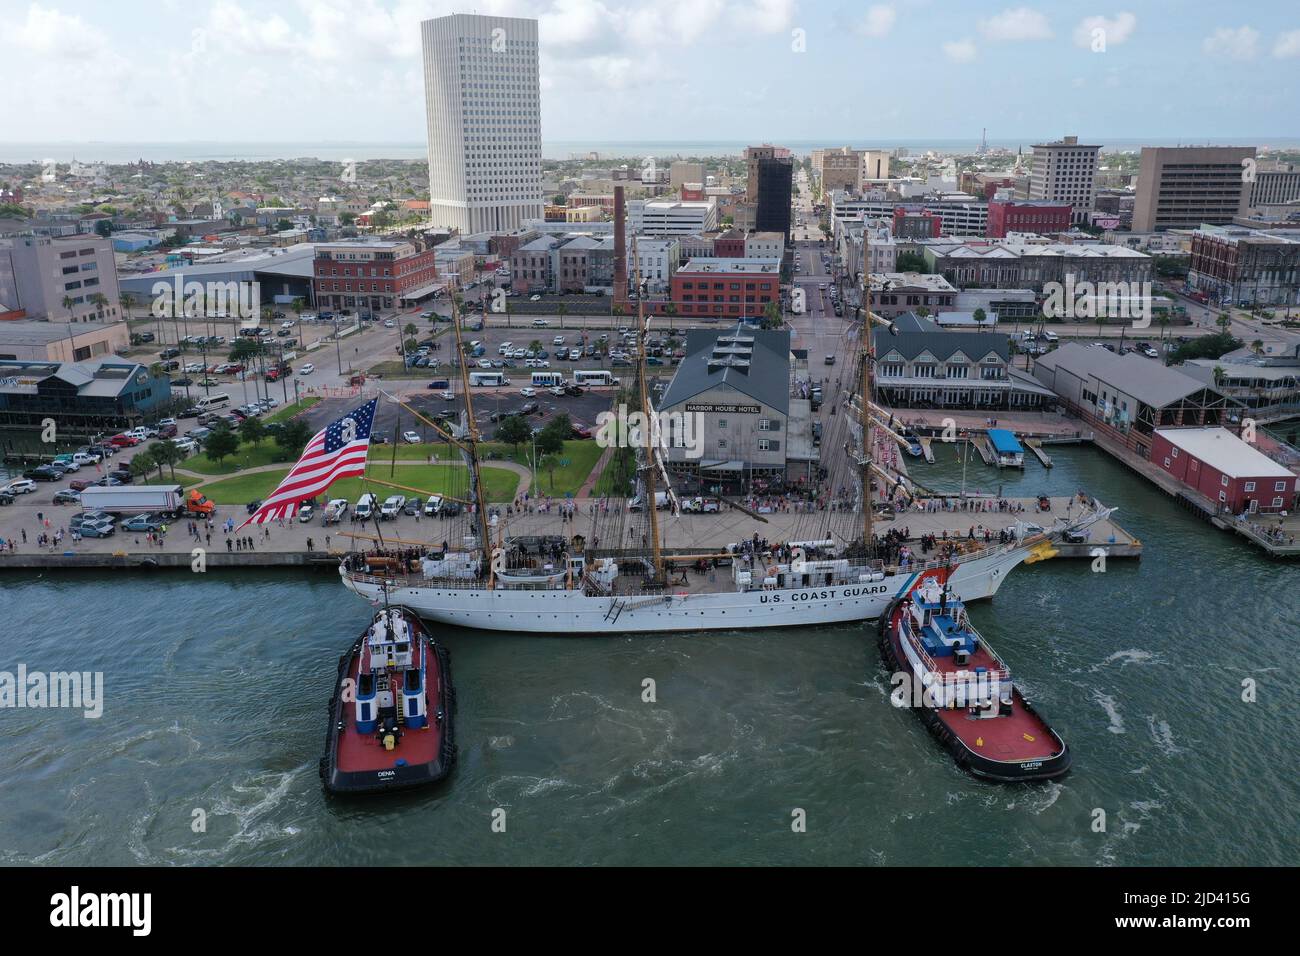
[(560, 586)]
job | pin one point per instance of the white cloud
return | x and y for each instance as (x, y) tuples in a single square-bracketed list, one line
[(1287, 45), (1115, 30), (765, 16), (1239, 44), (1018, 23), (879, 20), (959, 51), (51, 33)]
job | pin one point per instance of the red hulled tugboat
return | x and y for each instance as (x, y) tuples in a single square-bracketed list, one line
[(391, 713), (963, 691)]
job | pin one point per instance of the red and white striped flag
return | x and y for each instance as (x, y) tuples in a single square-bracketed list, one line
[(337, 451)]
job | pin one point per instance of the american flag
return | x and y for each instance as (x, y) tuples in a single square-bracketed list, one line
[(337, 451)]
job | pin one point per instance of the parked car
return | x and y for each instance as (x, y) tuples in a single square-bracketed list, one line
[(411, 438), (432, 505), (307, 369), (528, 392), (392, 506), (21, 486), (306, 511), (68, 496), (412, 507), (96, 529), (6, 498), (143, 522), (42, 473)]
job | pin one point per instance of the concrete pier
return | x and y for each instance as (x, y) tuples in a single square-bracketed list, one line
[(287, 545)]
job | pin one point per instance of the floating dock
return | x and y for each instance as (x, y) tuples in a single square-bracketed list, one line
[(1036, 446)]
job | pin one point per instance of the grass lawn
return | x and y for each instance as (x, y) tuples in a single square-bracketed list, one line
[(611, 482), (293, 408), (581, 456), (265, 452), (183, 480), (435, 479), (398, 369)]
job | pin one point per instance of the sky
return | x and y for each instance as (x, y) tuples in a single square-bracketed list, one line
[(675, 70)]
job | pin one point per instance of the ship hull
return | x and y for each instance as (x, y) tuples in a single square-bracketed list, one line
[(571, 613)]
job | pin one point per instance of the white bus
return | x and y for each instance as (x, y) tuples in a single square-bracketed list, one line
[(547, 379), (593, 378), (490, 379)]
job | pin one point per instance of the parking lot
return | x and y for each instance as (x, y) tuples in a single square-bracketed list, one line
[(391, 420)]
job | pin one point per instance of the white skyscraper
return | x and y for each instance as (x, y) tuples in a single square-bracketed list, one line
[(483, 100)]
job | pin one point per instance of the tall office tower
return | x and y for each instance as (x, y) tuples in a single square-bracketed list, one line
[(620, 247), (1182, 187), (1065, 172), (769, 187), (483, 103)]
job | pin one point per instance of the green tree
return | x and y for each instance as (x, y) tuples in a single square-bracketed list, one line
[(1224, 321), (551, 439), (1257, 346), (910, 262), (410, 331), (980, 317), (104, 228), (772, 316), (222, 443), (293, 437), (252, 430), (141, 465), (283, 225), (165, 453), (513, 430)]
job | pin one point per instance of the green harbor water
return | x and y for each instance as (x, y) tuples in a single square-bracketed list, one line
[(216, 689)]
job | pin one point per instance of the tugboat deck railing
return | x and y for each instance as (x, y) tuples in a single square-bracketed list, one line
[(951, 678)]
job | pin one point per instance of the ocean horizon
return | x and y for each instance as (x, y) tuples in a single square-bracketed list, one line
[(104, 151)]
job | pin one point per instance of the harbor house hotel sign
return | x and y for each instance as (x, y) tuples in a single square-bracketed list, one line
[(723, 409)]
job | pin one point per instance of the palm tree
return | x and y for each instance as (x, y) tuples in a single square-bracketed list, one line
[(100, 302), (1257, 346), (1164, 320), (1224, 321), (68, 303), (297, 306)]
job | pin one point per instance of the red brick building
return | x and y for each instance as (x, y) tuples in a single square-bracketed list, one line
[(372, 274), (913, 222), (1026, 215), (730, 244), (1225, 469), (727, 289)]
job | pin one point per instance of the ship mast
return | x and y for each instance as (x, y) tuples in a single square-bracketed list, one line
[(472, 436), (864, 399), (650, 436)]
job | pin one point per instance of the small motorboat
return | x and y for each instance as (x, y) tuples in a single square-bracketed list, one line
[(391, 713)]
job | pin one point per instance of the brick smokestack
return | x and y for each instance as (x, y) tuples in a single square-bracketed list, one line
[(620, 249)]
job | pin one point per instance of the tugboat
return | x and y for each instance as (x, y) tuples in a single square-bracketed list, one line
[(963, 691), (391, 713)]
